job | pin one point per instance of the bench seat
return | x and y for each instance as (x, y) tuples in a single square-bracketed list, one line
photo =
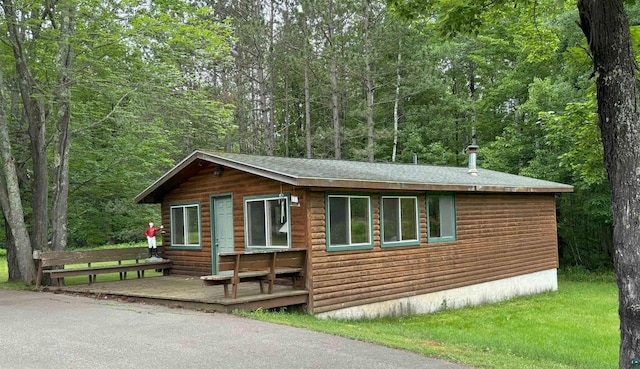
[(120, 268)]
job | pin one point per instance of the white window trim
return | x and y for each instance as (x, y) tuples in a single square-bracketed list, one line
[(264, 200), (401, 242), (452, 219), (185, 234), (349, 246)]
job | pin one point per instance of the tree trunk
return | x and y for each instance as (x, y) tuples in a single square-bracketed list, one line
[(396, 102), (12, 261), (605, 25), (264, 106), (62, 141), (307, 109), (335, 112), (369, 84), (240, 112), (34, 109), (19, 253)]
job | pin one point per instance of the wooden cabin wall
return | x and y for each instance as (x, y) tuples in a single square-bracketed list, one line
[(498, 236), (199, 188)]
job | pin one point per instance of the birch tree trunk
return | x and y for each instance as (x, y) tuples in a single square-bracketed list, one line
[(606, 27), (396, 102)]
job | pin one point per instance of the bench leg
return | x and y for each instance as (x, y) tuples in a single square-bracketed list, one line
[(296, 281), (234, 289), (226, 289), (39, 275)]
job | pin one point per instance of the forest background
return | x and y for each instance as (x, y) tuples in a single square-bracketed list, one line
[(153, 80)]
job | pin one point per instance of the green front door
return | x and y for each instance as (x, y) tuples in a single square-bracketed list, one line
[(221, 228)]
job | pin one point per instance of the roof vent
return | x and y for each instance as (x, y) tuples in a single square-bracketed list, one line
[(472, 150)]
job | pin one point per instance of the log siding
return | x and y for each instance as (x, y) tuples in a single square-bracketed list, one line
[(498, 236)]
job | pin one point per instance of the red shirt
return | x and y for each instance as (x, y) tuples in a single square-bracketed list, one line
[(151, 231)]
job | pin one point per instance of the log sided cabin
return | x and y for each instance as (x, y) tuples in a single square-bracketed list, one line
[(382, 239)]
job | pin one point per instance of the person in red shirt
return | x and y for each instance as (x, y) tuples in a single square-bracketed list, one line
[(151, 238)]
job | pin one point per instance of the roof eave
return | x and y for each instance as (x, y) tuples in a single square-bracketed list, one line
[(373, 185)]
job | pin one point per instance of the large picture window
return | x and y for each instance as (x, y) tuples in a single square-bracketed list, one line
[(442, 217), (267, 222), (348, 222), (185, 226), (399, 220)]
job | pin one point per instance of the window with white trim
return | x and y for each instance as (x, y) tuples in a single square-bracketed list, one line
[(185, 225), (267, 222), (349, 222), (441, 217), (400, 225)]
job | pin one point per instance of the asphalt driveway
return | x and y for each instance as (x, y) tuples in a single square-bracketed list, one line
[(46, 330)]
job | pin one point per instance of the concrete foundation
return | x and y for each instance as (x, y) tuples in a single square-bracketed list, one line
[(482, 293)]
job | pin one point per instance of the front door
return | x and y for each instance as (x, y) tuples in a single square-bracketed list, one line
[(221, 228)]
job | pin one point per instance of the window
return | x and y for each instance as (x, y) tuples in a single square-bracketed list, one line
[(185, 226), (399, 216), (349, 222), (442, 218), (267, 222)]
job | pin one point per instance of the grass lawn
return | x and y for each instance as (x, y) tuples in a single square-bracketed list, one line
[(576, 327)]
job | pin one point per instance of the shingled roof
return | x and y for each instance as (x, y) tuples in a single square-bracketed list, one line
[(329, 173)]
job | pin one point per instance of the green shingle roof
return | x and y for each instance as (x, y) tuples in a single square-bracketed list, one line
[(360, 175)]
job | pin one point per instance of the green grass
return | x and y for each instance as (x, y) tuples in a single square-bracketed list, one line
[(576, 327), (4, 273)]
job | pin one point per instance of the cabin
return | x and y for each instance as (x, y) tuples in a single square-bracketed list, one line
[(382, 239)]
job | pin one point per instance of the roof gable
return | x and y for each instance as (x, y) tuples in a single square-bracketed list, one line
[(331, 173)]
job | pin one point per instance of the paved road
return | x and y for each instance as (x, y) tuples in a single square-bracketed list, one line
[(44, 330)]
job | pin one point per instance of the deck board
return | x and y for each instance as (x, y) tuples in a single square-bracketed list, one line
[(189, 292)]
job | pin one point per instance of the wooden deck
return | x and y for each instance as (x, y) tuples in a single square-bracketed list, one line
[(189, 292)]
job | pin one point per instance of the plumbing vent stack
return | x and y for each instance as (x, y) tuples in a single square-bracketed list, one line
[(473, 153)]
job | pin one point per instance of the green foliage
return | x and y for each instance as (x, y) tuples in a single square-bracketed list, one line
[(142, 100), (154, 81)]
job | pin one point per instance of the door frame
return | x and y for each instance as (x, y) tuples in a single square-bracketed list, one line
[(212, 221)]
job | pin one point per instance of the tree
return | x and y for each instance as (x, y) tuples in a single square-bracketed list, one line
[(606, 28), (99, 69), (605, 25), (29, 30), (155, 75)]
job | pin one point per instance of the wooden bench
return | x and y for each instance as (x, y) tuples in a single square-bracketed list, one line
[(258, 266), (119, 261)]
